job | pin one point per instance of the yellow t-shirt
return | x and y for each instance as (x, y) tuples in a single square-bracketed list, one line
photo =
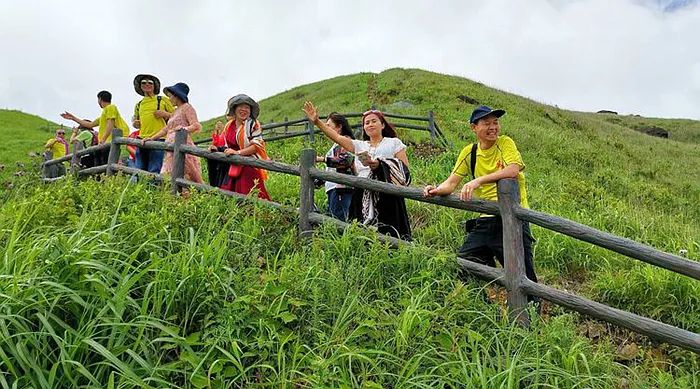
[(111, 112), (144, 111), (57, 149), (497, 157)]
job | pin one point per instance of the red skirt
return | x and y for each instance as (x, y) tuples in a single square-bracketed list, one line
[(248, 179)]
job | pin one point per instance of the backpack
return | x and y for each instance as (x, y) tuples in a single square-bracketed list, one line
[(472, 162), (138, 105)]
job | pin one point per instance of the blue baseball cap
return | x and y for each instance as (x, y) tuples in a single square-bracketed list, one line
[(483, 111)]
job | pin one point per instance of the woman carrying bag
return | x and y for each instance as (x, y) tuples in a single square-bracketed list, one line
[(242, 135)]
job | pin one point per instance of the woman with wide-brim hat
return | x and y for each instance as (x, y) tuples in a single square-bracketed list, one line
[(242, 135), (184, 117)]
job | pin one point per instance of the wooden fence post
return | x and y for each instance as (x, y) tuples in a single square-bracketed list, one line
[(513, 250), (178, 159), (286, 125), (310, 129), (114, 150), (306, 191), (431, 126)]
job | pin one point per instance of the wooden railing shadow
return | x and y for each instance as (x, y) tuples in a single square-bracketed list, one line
[(512, 276)]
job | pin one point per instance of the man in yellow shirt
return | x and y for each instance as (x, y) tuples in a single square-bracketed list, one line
[(56, 147), (150, 116), (491, 158), (108, 121)]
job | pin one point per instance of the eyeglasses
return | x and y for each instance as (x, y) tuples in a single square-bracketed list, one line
[(149, 82)]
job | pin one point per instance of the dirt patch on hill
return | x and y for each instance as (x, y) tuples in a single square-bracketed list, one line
[(426, 149)]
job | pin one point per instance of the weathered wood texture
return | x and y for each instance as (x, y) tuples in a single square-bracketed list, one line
[(178, 170), (643, 325), (431, 125), (248, 161), (114, 151), (141, 173), (306, 192), (487, 273), (80, 153), (150, 145), (93, 170), (612, 242), (452, 201), (513, 251)]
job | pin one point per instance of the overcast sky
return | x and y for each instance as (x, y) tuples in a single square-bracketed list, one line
[(632, 56)]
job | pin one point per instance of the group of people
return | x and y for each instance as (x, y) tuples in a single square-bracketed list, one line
[(380, 155), (157, 118)]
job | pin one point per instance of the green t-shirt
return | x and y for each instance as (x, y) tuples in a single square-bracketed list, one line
[(144, 111), (85, 137)]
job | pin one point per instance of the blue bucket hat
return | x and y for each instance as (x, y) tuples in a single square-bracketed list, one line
[(483, 111), (181, 90)]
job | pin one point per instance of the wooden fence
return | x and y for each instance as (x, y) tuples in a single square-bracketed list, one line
[(279, 131), (512, 277)]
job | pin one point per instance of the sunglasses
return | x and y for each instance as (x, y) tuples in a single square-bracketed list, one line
[(61, 133), (372, 111), (150, 82)]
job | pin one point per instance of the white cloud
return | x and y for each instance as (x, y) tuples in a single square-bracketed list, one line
[(631, 56)]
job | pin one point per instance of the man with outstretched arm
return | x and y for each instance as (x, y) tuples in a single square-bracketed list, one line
[(107, 122), (491, 158)]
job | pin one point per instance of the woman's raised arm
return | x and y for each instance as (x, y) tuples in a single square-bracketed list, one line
[(312, 115)]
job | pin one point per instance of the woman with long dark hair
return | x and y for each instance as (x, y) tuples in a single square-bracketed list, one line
[(341, 161), (382, 157)]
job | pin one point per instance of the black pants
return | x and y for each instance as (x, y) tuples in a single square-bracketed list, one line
[(484, 245), (101, 157)]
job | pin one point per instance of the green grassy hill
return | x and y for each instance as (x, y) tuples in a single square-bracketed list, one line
[(20, 134), (110, 285)]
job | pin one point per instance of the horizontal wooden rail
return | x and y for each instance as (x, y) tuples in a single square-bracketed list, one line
[(484, 272), (282, 135), (150, 145), (248, 161), (283, 124), (643, 325), (413, 193), (93, 170), (138, 172), (79, 153), (612, 242), (54, 179)]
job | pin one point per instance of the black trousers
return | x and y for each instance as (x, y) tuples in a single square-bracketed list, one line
[(101, 157), (484, 244)]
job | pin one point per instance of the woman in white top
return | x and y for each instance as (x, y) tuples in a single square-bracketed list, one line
[(381, 156)]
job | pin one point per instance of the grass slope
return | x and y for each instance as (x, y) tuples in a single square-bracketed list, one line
[(21, 133), (149, 290), (95, 294), (591, 168)]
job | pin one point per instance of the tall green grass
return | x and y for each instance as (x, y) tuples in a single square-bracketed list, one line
[(107, 284)]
